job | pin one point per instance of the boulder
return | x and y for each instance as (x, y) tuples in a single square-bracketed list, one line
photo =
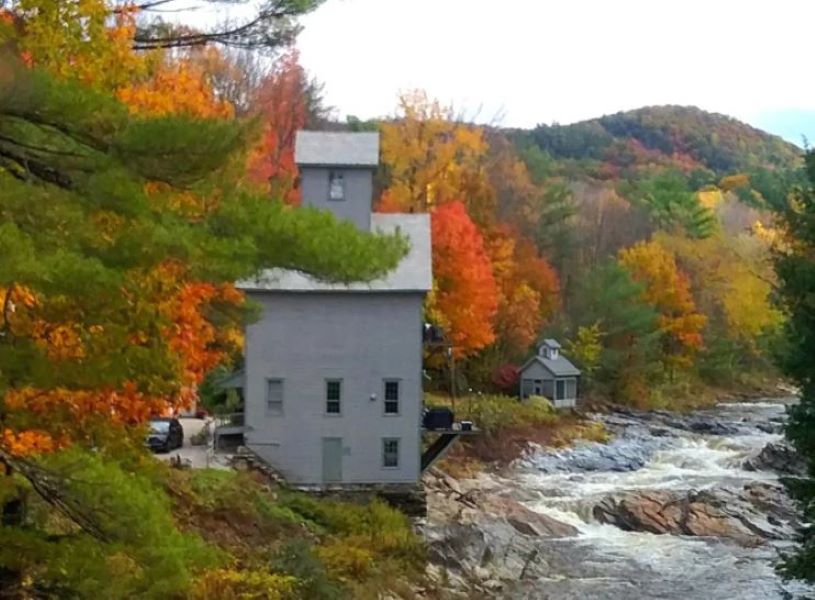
[(779, 457), (724, 514), (526, 521)]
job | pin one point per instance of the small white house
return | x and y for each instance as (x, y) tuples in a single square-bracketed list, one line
[(551, 375)]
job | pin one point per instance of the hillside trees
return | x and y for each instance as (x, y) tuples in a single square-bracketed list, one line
[(609, 307), (667, 289), (494, 302)]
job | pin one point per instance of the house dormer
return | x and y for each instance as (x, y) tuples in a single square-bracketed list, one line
[(337, 171), (550, 349)]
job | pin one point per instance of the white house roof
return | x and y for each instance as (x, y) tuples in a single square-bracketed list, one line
[(559, 367), (340, 148), (551, 343), (413, 274)]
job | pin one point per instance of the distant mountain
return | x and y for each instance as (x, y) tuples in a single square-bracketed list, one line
[(685, 137), (681, 146)]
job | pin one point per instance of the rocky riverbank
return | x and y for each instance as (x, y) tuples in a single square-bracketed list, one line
[(672, 507)]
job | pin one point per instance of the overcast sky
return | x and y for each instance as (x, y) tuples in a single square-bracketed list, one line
[(540, 61)]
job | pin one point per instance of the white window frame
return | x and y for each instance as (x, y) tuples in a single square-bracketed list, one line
[(386, 454), (279, 410), (398, 400), (328, 382), (335, 175)]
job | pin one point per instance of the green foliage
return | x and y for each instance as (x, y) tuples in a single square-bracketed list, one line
[(795, 267), (670, 204), (127, 547), (493, 413), (607, 296), (586, 349), (296, 558)]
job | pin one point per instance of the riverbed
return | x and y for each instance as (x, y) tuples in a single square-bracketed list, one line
[(671, 507), (655, 452)]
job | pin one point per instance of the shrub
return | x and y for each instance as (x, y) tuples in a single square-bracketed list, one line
[(346, 558), (295, 558), (228, 584), (136, 550)]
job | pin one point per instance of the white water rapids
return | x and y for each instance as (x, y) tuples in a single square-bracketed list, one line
[(605, 562)]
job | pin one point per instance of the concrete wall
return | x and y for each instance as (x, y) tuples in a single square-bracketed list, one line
[(358, 193), (361, 338)]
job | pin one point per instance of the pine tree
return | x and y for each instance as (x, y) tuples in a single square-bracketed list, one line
[(610, 299), (120, 238), (795, 266)]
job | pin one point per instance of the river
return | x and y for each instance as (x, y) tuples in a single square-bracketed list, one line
[(653, 452)]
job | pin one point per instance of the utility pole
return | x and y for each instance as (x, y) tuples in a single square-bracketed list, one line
[(452, 357)]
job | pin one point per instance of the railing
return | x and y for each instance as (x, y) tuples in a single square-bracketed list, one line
[(230, 420)]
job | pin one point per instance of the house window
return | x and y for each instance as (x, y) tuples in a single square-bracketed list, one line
[(336, 185), (274, 396), (390, 453), (560, 389), (571, 388), (333, 396), (392, 397), (549, 389)]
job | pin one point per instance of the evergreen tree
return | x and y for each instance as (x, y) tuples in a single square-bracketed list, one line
[(795, 266), (608, 298)]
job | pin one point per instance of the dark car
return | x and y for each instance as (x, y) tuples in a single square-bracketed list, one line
[(165, 434)]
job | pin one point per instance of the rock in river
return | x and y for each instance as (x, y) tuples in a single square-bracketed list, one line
[(779, 457), (748, 516)]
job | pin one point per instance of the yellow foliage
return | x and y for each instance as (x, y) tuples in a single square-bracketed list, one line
[(587, 347), (432, 158), (733, 277), (228, 584), (77, 40), (710, 198), (731, 182), (347, 558)]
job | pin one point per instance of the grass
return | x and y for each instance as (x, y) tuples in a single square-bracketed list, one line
[(507, 428)]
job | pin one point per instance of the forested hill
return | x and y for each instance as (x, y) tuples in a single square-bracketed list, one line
[(704, 146)]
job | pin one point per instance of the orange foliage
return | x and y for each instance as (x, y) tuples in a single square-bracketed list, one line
[(464, 299), (281, 103), (178, 88), (527, 288), (667, 289)]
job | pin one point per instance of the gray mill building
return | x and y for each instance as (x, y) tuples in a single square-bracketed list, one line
[(333, 372)]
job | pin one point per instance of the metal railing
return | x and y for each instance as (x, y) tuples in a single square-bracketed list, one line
[(230, 420)]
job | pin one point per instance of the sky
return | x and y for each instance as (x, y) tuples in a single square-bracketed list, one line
[(524, 62)]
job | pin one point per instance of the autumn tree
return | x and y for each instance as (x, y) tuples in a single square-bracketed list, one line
[(286, 100), (464, 297), (732, 279), (101, 284), (431, 158), (667, 289)]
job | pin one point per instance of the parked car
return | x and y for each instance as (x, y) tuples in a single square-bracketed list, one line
[(165, 434)]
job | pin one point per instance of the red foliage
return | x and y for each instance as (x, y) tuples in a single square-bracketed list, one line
[(465, 298), (281, 103), (505, 378)]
